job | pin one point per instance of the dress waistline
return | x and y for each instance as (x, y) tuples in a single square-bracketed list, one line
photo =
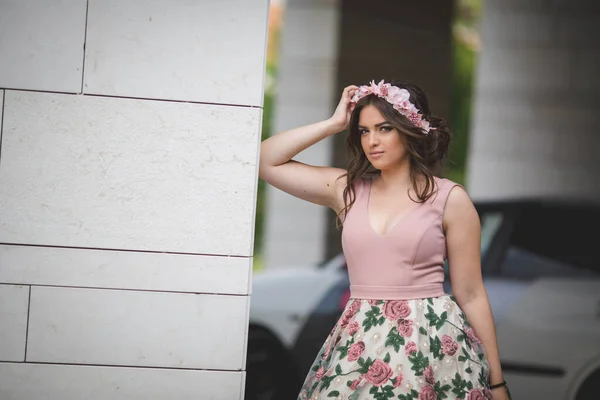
[(397, 292)]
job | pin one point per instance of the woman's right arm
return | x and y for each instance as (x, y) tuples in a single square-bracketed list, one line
[(319, 185)]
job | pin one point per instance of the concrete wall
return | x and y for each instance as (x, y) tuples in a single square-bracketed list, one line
[(129, 138), (536, 123)]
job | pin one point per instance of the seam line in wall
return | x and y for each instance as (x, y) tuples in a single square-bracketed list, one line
[(27, 326), (122, 366), (112, 96), (107, 288), (87, 7), (2, 123), (124, 250)]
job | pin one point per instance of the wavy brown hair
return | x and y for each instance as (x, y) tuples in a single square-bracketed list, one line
[(427, 152)]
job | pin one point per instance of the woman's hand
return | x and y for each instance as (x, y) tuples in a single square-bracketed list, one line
[(341, 116)]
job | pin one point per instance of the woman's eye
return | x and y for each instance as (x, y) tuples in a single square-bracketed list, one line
[(362, 131), (386, 128)]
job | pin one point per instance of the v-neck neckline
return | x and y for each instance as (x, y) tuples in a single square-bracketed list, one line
[(403, 216)]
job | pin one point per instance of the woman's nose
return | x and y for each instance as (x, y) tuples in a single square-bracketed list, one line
[(373, 139)]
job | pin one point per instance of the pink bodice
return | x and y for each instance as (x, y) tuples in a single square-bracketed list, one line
[(404, 263)]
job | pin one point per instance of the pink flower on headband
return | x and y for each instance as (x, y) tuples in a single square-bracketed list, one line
[(398, 98)]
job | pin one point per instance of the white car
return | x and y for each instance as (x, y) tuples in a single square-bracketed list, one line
[(542, 277)]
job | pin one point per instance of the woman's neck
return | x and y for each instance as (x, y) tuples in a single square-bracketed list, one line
[(396, 178)]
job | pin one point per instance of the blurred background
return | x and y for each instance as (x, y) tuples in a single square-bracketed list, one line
[(518, 81)]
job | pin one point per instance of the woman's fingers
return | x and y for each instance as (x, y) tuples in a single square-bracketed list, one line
[(349, 91)]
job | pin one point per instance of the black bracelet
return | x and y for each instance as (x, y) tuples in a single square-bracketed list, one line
[(498, 385)]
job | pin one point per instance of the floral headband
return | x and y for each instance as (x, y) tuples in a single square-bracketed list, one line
[(396, 97)]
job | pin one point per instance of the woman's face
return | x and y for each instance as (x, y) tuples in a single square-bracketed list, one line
[(383, 145)]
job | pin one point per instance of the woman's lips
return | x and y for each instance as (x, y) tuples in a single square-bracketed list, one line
[(376, 154)]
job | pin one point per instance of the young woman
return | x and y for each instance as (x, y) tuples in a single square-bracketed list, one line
[(400, 336)]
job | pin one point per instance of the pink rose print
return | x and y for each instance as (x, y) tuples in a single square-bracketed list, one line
[(411, 348), (475, 394), (372, 302), (427, 393), (487, 393), (326, 354), (379, 372), (398, 380), (355, 383), (355, 351), (405, 327), (471, 337), (319, 374), (394, 309), (449, 346), (428, 373), (350, 312), (353, 328)]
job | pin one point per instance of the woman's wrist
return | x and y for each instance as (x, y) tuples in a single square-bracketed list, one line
[(496, 375), (334, 126), (496, 378), (501, 386), (497, 385)]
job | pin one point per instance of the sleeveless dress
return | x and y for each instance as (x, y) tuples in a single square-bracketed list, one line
[(400, 335)]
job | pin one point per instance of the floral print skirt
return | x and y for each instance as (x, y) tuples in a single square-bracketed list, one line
[(420, 349)]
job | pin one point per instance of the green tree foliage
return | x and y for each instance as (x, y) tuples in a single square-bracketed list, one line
[(466, 45)]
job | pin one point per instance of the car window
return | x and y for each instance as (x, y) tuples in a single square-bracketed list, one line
[(336, 262), (523, 264), (553, 241), (490, 224)]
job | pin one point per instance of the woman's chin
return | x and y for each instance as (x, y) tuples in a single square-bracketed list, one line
[(379, 164), (383, 166)]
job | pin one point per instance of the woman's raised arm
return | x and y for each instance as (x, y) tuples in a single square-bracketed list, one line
[(317, 184)]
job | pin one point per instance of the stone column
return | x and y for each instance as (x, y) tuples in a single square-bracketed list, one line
[(535, 129), (536, 125), (295, 230), (129, 138)]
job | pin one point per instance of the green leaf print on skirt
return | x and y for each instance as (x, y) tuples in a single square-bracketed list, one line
[(400, 349)]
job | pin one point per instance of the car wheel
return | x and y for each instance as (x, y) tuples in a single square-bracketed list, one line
[(590, 387), (270, 372)]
